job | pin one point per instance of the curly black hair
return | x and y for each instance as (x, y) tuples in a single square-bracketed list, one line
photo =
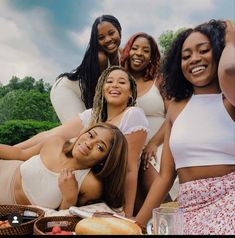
[(174, 84)]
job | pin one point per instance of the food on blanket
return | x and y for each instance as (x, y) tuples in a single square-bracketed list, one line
[(4, 224), (56, 230), (106, 226)]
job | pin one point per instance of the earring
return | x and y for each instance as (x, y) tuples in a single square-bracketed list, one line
[(130, 101)]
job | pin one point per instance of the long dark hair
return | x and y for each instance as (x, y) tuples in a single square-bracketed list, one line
[(175, 85), (88, 71), (112, 169)]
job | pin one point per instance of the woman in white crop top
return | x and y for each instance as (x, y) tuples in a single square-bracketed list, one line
[(56, 173), (73, 92), (141, 57), (113, 103), (200, 130)]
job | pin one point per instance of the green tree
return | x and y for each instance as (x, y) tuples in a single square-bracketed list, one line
[(23, 105), (15, 131), (166, 38), (26, 84)]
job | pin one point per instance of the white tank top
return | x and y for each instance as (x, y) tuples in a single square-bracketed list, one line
[(152, 104), (40, 185), (203, 133)]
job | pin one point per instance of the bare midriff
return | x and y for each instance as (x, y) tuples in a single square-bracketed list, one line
[(202, 172), (20, 196)]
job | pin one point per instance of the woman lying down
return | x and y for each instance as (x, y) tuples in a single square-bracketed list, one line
[(57, 174)]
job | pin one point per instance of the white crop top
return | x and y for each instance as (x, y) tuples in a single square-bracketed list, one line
[(203, 133), (133, 120), (40, 185)]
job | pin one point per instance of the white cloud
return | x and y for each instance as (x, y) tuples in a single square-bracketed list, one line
[(20, 53), (29, 46), (81, 38), (154, 17)]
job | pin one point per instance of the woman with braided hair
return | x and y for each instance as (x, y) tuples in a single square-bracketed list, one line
[(113, 103), (73, 92)]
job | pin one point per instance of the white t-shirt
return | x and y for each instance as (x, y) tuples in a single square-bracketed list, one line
[(133, 120)]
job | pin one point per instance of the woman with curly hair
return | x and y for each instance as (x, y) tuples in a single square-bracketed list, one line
[(73, 92), (141, 57), (113, 103), (199, 140)]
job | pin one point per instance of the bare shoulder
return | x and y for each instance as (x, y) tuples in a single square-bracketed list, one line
[(91, 189), (54, 140), (175, 108), (53, 145)]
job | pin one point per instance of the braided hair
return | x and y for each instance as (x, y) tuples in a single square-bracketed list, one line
[(99, 111)]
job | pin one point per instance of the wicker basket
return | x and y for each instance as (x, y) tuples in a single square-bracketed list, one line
[(26, 228), (45, 224)]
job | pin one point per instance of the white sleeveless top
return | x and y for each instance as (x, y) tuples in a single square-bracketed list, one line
[(40, 185), (203, 133), (152, 104)]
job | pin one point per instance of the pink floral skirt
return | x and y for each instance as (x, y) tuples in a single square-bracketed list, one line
[(209, 205)]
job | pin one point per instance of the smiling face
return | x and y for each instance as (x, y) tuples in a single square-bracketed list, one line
[(108, 37), (117, 88), (140, 54), (198, 65), (93, 146)]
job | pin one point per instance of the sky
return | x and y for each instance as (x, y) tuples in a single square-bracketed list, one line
[(44, 38)]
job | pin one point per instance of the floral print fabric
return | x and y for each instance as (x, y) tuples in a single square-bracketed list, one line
[(209, 205)]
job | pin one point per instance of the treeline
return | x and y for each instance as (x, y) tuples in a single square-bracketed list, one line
[(25, 109)]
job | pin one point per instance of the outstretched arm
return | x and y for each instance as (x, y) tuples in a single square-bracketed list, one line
[(9, 152), (226, 69), (68, 131)]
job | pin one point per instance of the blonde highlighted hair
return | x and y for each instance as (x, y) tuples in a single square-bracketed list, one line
[(99, 110)]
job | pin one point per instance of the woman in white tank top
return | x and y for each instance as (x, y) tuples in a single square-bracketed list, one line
[(141, 57), (73, 92), (56, 174), (200, 130)]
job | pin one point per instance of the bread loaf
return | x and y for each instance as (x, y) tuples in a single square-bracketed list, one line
[(106, 226)]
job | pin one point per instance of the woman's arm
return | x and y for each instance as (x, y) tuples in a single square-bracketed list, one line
[(157, 139), (162, 184), (136, 142), (226, 68), (150, 149), (68, 131), (69, 188), (90, 190), (9, 152)]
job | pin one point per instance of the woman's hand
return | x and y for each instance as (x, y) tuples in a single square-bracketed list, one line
[(229, 32), (68, 186), (149, 152)]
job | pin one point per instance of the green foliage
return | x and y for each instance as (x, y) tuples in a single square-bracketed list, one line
[(22, 105), (166, 38), (15, 131), (26, 84)]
